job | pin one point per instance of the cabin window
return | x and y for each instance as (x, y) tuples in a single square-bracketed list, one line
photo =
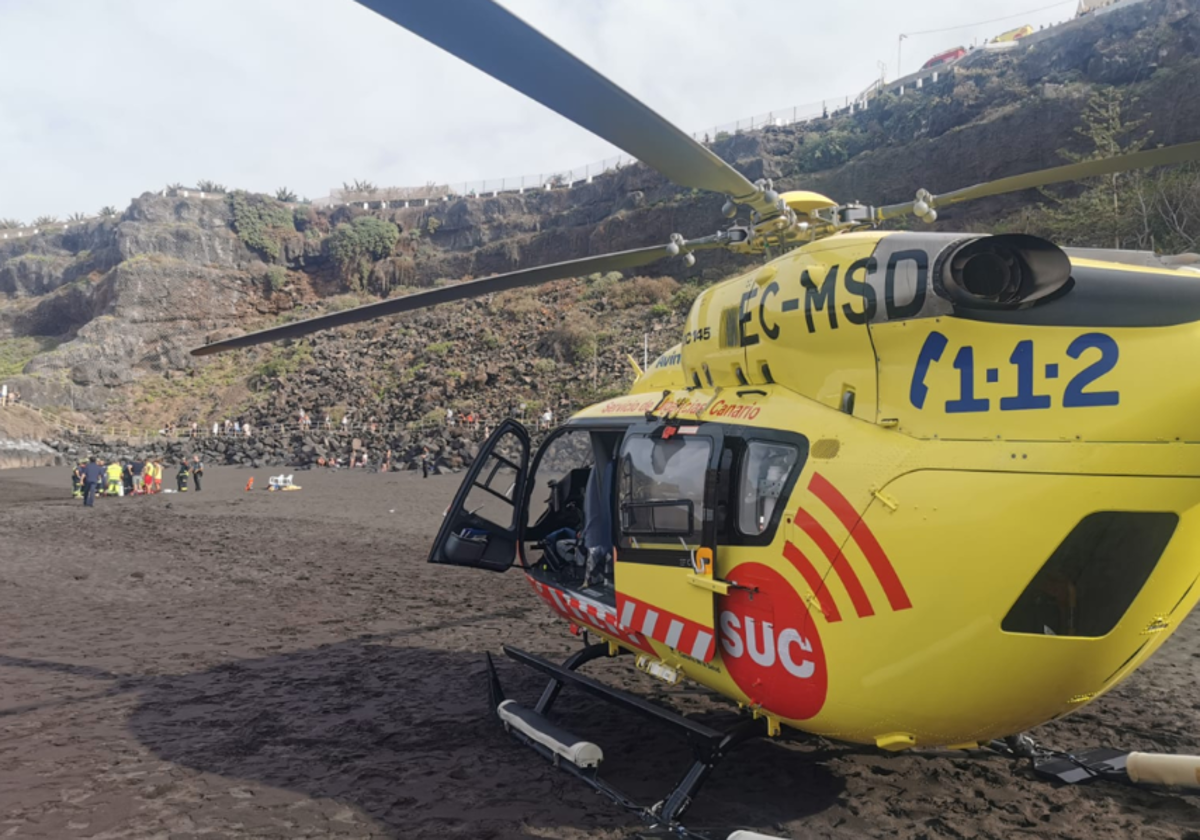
[(662, 488), (763, 480), (1091, 579)]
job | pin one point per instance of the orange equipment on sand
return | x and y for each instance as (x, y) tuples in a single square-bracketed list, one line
[(250, 484)]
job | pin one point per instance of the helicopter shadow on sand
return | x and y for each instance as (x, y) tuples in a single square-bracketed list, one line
[(404, 735)]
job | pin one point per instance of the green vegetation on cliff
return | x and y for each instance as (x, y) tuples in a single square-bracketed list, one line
[(261, 222), (1156, 210), (358, 245), (16, 353)]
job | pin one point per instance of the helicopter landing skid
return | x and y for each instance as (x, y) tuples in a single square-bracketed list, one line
[(581, 758)]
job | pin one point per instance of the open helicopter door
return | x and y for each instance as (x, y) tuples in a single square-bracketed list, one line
[(480, 528), (667, 482)]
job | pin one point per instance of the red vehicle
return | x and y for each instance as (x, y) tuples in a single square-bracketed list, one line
[(945, 58)]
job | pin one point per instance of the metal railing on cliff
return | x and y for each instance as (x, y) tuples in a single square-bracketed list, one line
[(579, 175), (56, 421)]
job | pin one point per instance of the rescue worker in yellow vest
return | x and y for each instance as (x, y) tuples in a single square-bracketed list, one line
[(113, 473), (181, 477)]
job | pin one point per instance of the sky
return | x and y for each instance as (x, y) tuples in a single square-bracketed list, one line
[(102, 100)]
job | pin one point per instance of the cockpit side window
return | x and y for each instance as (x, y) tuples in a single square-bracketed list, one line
[(661, 486), (765, 469)]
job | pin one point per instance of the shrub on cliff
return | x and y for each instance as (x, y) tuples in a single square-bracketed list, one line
[(356, 246), (275, 279), (260, 222), (644, 291), (573, 341)]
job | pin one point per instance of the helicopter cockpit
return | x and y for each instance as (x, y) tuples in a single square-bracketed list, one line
[(616, 511), (641, 491), (569, 522)]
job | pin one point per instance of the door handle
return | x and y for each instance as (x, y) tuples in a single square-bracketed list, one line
[(721, 587)]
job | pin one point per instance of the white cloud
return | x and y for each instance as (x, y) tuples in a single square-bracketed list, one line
[(102, 100)]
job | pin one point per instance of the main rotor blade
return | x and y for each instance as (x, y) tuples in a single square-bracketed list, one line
[(1181, 153), (460, 291), (496, 41)]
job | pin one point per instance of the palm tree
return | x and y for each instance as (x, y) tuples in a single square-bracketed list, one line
[(285, 195), (108, 211)]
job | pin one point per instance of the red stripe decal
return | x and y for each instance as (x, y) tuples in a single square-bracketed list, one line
[(805, 567), (662, 627), (854, 588), (866, 541)]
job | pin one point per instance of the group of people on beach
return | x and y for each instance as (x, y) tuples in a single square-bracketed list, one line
[(357, 460), (130, 477)]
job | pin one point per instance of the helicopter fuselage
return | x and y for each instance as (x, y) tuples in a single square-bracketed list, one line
[(995, 517)]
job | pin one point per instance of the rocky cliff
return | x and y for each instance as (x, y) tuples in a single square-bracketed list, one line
[(98, 319)]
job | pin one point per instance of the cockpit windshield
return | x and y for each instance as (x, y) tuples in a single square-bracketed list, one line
[(662, 487)]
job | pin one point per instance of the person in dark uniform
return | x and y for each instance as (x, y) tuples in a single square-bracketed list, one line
[(77, 480), (425, 462), (181, 477), (127, 477), (138, 469), (93, 474), (197, 471)]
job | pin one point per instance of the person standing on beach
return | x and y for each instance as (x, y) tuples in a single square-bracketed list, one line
[(138, 468), (181, 477), (77, 480), (113, 472), (425, 462), (197, 470), (92, 475)]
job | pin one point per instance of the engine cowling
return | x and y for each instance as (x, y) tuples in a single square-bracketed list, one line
[(1006, 271)]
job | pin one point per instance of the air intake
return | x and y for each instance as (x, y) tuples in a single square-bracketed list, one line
[(1009, 271)]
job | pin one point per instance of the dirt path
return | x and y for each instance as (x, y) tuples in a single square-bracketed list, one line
[(260, 665)]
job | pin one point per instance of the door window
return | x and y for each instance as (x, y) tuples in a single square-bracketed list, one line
[(662, 488), (480, 527), (491, 496), (764, 479), (560, 483)]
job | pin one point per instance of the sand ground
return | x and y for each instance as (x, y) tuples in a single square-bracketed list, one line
[(254, 665)]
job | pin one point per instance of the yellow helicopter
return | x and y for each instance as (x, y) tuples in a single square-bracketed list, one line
[(895, 488)]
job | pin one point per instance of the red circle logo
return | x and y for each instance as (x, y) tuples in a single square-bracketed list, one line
[(770, 646)]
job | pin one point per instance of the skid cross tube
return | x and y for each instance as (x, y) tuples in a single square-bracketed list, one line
[(615, 695), (706, 761), (574, 661)]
